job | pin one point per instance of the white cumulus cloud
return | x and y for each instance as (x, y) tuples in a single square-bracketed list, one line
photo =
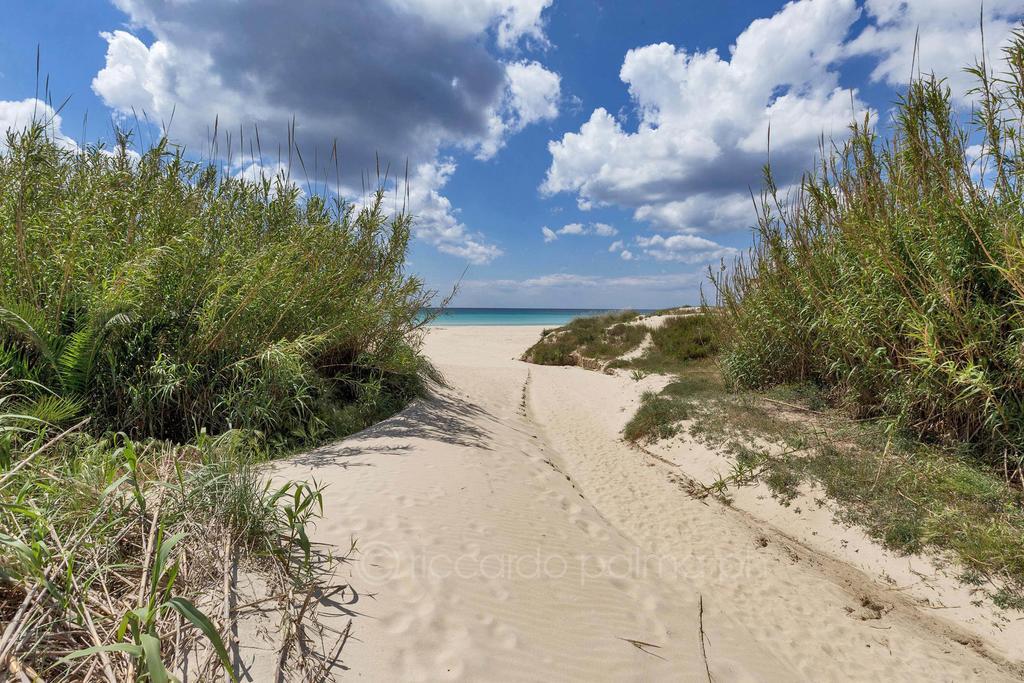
[(703, 118), (585, 290), (17, 115), (435, 221), (531, 95), (600, 229), (683, 248), (948, 37), (685, 156), (511, 19)]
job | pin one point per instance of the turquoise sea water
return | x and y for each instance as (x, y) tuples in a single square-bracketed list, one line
[(550, 317)]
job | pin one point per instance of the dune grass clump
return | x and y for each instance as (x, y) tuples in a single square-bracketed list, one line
[(599, 337), (657, 418), (686, 337), (165, 328), (675, 345), (894, 277), (170, 299)]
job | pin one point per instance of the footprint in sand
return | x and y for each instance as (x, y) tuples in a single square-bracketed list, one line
[(572, 509), (504, 636), (593, 530)]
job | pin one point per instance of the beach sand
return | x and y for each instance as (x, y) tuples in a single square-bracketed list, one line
[(505, 532)]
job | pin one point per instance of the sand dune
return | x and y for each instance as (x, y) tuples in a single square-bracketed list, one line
[(504, 532)]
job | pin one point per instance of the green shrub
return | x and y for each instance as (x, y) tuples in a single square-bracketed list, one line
[(171, 299), (688, 337), (185, 326), (551, 353), (894, 278)]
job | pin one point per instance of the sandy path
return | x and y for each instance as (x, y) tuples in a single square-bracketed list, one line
[(505, 533)]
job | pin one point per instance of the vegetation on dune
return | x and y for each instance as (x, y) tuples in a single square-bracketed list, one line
[(894, 279), (677, 342), (888, 289), (170, 299), (658, 417), (908, 495), (163, 329), (683, 343), (682, 346), (870, 347), (685, 337), (601, 337)]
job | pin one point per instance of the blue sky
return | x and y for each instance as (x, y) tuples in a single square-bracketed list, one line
[(570, 153)]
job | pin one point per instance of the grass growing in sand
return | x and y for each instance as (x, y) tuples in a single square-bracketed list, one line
[(908, 495), (683, 347), (889, 287), (677, 342), (658, 417), (600, 337), (164, 328), (894, 278), (871, 344)]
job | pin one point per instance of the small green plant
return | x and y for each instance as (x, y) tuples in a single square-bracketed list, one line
[(637, 375), (657, 418), (139, 624)]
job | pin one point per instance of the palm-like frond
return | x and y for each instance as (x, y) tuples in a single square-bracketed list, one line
[(76, 362), (28, 324), (50, 409)]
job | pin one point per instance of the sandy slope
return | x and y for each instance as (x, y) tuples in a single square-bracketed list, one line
[(505, 533)]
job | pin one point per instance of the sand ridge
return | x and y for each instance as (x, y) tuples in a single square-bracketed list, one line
[(505, 532)]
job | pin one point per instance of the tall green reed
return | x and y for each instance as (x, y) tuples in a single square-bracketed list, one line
[(172, 298), (894, 275), (165, 327)]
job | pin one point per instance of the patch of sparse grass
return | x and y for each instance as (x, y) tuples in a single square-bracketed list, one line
[(598, 337), (675, 344), (908, 495), (657, 418), (696, 380), (661, 412)]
